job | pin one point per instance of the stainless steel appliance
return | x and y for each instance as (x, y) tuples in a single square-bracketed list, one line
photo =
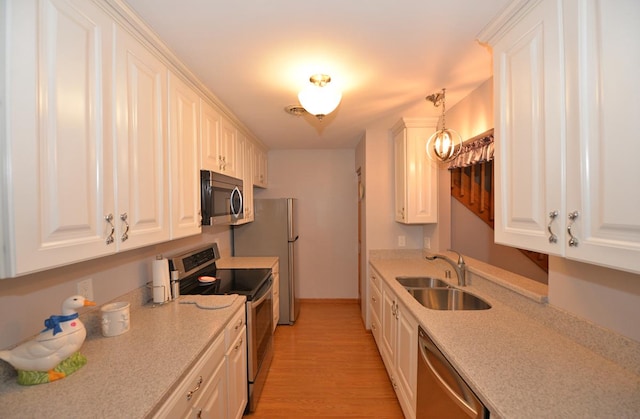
[(441, 391), (256, 284), (274, 233), (221, 198)]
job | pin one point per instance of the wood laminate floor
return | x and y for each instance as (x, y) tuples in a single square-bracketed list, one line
[(327, 366)]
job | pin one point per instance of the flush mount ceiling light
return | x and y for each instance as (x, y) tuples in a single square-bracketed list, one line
[(445, 144), (319, 98)]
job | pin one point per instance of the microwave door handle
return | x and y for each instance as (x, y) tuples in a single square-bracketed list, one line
[(235, 212)]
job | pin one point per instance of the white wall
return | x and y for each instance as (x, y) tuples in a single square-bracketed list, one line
[(603, 296), (27, 300), (325, 184)]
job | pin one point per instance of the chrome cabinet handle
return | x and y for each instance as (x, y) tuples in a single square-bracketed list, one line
[(373, 298), (192, 392), (199, 414), (573, 241), (125, 235), (109, 218), (552, 237)]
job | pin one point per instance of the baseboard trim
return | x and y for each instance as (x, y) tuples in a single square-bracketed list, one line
[(329, 300)]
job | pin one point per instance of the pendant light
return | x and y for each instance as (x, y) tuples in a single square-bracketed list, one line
[(445, 144), (319, 98)]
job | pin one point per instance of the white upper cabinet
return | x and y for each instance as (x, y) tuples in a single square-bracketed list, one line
[(603, 91), (529, 146), (228, 150), (416, 176), (259, 167), (245, 147), (565, 97), (209, 137), (184, 146), (59, 180), (142, 168)]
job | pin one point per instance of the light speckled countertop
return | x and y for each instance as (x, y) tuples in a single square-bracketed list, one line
[(244, 262), (126, 376), (523, 358)]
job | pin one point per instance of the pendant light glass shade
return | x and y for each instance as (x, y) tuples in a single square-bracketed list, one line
[(320, 98), (445, 144)]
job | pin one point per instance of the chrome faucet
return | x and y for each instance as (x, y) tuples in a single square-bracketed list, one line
[(459, 267)]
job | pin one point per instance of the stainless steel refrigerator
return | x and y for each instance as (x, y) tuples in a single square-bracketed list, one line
[(274, 233)]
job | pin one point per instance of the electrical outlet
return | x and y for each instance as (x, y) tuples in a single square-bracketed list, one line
[(85, 288), (427, 242), (402, 241)]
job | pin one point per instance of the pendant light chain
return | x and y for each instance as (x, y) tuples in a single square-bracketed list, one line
[(444, 99)]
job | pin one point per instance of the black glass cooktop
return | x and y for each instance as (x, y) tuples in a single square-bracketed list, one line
[(245, 282)]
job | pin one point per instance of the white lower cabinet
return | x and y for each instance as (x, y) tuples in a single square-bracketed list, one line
[(236, 364), (204, 387), (216, 387), (275, 271), (397, 343)]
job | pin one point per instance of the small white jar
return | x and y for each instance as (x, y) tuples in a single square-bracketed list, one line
[(115, 318)]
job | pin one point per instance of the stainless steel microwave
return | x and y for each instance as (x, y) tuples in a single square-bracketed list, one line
[(221, 197)]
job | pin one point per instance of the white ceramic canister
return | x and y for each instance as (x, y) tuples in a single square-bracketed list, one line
[(115, 318)]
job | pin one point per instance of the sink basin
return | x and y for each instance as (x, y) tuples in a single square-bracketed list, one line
[(448, 299), (421, 282)]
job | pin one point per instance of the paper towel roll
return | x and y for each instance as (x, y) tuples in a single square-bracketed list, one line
[(161, 290)]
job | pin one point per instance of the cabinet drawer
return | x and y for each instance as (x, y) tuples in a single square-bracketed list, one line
[(235, 327), (375, 301), (183, 398), (374, 278)]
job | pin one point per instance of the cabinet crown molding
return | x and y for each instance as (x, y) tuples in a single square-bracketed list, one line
[(504, 20)]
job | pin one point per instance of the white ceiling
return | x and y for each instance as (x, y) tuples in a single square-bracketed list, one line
[(386, 56)]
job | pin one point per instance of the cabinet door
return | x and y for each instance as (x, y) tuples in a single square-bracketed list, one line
[(275, 271), (229, 148), (529, 147), (141, 162), (416, 176), (400, 157), (246, 149), (209, 138), (236, 359), (389, 328), (184, 125), (60, 133), (406, 360), (212, 402), (259, 167), (602, 155)]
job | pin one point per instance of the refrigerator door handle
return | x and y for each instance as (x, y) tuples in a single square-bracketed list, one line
[(296, 238)]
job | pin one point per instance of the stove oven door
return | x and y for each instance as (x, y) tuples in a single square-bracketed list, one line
[(260, 340)]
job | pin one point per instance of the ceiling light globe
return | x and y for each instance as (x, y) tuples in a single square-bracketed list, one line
[(320, 100)]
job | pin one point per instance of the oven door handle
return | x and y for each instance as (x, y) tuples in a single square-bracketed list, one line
[(265, 294)]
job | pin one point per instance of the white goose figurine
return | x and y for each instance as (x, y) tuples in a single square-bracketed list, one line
[(63, 336)]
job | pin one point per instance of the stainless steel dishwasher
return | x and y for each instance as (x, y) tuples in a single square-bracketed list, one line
[(441, 392)]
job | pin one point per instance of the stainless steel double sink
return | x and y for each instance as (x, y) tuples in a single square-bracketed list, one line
[(436, 294)]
